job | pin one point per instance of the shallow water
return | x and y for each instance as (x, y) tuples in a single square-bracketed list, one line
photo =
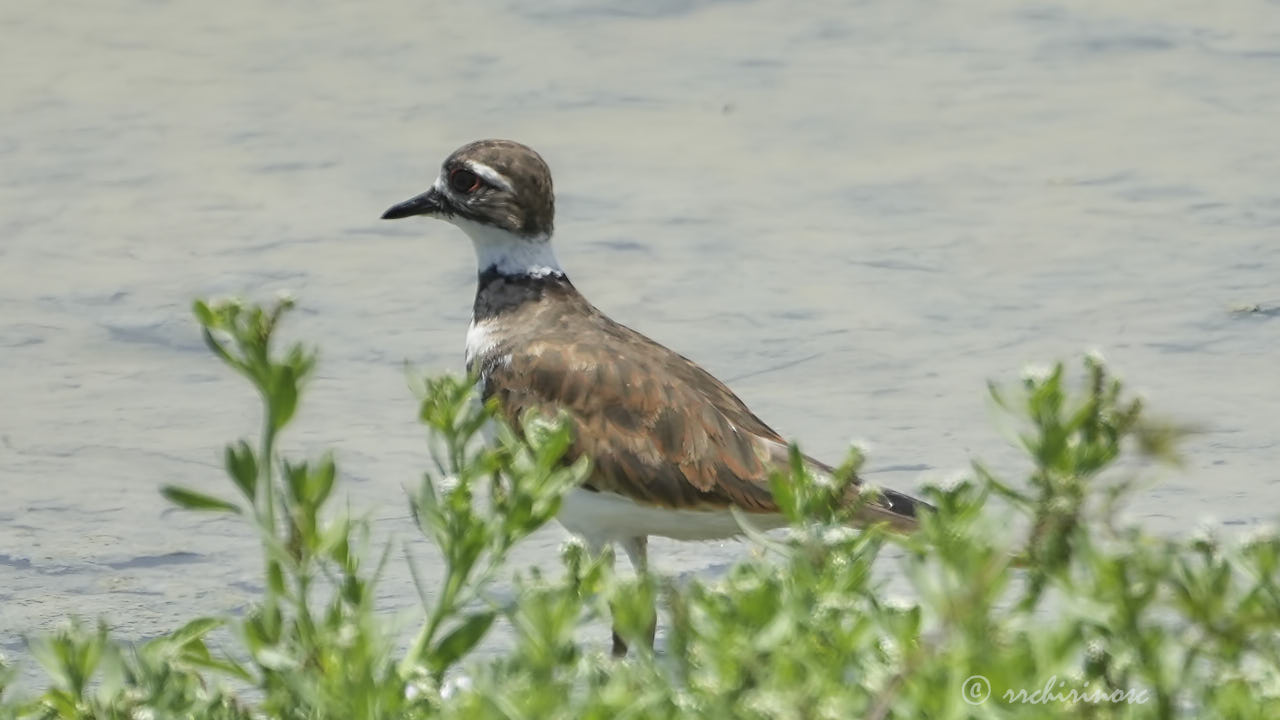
[(857, 215)]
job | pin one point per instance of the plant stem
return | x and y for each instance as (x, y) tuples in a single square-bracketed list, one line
[(266, 504), (427, 634)]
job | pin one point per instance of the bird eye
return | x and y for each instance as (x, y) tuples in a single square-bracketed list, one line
[(464, 181)]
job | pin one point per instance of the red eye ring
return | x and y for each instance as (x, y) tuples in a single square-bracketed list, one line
[(464, 181)]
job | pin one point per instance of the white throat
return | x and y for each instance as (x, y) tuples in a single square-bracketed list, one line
[(508, 253)]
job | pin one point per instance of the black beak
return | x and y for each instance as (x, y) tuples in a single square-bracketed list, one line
[(428, 203)]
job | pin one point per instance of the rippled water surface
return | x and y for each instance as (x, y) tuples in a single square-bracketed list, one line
[(857, 214)]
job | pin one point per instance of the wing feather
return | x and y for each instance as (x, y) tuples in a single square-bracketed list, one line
[(658, 428)]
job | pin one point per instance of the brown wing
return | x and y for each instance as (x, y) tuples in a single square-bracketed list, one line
[(651, 436), (658, 428)]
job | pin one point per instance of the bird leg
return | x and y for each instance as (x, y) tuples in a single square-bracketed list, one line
[(638, 552)]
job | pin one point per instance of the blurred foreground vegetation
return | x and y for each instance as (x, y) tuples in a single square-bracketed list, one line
[(1029, 597)]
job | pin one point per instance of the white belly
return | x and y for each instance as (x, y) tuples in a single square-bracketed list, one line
[(604, 517)]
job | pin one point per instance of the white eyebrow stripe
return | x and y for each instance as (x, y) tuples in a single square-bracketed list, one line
[(489, 175)]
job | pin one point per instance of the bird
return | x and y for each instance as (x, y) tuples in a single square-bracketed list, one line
[(672, 450)]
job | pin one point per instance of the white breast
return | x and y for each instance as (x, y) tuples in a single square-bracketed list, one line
[(604, 517), (480, 341)]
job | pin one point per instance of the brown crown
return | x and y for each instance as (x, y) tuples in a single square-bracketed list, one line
[(529, 207)]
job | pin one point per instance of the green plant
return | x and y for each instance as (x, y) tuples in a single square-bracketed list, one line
[(1015, 599), (1068, 612), (315, 646)]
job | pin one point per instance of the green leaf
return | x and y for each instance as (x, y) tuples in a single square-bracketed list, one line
[(322, 481), (202, 312), (194, 630), (295, 479), (192, 500), (63, 702), (284, 396), (275, 578), (217, 348), (273, 658), (784, 496), (223, 665), (460, 641), (242, 466)]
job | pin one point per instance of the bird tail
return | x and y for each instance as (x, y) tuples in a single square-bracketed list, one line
[(899, 511)]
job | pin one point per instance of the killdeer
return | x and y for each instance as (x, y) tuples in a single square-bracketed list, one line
[(672, 449)]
